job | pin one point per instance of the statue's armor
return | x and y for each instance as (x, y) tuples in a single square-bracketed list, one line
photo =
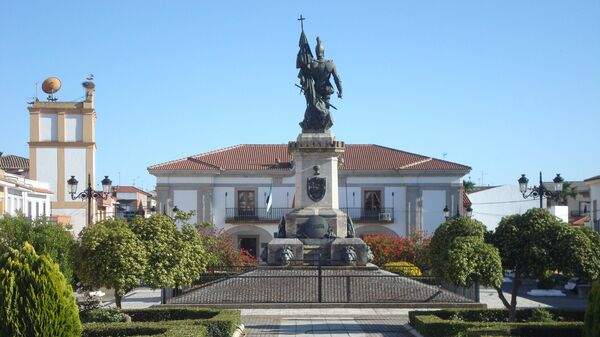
[(321, 72)]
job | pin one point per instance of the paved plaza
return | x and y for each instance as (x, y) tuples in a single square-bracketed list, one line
[(326, 322)]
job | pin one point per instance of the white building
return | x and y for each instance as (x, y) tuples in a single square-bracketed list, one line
[(384, 190), (21, 195), (594, 183), (492, 203)]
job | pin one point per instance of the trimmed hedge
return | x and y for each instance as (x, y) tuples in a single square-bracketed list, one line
[(170, 322), (447, 323), (403, 268), (183, 328), (223, 324), (169, 314)]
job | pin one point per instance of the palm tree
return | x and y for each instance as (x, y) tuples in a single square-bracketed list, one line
[(568, 190), (468, 185)]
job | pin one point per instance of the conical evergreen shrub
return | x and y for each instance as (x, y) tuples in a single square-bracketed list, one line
[(35, 299), (592, 313)]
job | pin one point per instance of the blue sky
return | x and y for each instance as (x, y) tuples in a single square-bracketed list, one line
[(506, 87)]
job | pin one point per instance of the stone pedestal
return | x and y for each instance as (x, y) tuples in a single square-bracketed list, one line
[(317, 223), (338, 251), (275, 251)]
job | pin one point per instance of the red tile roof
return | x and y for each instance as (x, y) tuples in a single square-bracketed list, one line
[(466, 201), (12, 162), (276, 157), (129, 189)]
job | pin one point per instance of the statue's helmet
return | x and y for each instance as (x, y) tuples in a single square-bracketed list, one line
[(319, 49)]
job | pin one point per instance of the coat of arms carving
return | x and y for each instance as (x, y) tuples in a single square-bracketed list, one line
[(316, 188)]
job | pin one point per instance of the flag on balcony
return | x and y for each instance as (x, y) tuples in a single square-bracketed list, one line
[(270, 198)]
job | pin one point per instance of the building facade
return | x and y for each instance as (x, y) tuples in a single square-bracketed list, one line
[(19, 195), (384, 190), (594, 184), (131, 201), (62, 144)]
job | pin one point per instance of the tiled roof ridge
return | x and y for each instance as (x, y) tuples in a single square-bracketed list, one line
[(428, 159), (415, 154), (204, 162), (116, 189), (11, 161), (196, 155)]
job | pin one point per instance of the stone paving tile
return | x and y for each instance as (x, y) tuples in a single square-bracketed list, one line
[(366, 326)]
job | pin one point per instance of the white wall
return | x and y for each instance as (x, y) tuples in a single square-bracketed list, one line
[(594, 201), (186, 200), (490, 205), (75, 165), (403, 180), (73, 128), (127, 196), (398, 202), (48, 127), (282, 196), (78, 217), (561, 212), (47, 168), (434, 202)]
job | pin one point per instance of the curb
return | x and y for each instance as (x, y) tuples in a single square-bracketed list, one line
[(409, 328), (238, 331)]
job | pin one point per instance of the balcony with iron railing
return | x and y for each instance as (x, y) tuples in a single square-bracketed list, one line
[(254, 215)]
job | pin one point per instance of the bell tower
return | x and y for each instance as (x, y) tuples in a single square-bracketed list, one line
[(62, 144)]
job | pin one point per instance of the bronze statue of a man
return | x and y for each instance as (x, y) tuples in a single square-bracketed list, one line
[(315, 82)]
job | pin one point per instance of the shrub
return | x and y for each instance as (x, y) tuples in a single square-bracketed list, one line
[(541, 315), (493, 322), (388, 248), (187, 328), (170, 322), (403, 268), (35, 298), (102, 315), (169, 314), (223, 324), (45, 237), (222, 251), (592, 312)]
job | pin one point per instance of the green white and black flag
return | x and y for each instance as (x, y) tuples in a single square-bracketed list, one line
[(270, 198)]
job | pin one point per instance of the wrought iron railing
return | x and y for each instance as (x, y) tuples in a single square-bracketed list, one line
[(260, 214), (255, 214), (316, 285), (373, 214)]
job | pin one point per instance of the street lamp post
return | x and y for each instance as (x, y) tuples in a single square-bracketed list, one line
[(89, 193), (540, 191)]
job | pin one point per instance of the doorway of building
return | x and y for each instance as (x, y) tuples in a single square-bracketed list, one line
[(249, 244)]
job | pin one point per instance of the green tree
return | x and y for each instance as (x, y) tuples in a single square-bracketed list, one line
[(444, 236), (46, 238), (472, 261), (460, 255), (175, 258), (536, 242), (568, 191), (35, 298), (110, 255), (468, 186), (591, 326)]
